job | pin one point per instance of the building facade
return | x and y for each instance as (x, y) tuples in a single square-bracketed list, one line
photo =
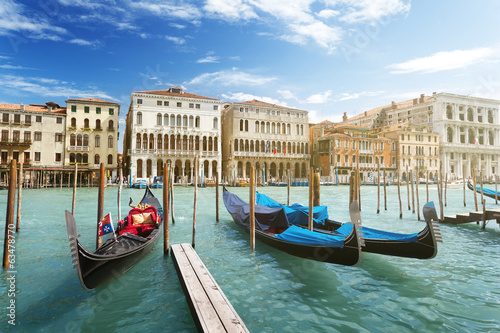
[(172, 126), (417, 150), (273, 139), (468, 128), (92, 134), (342, 148), (32, 134)]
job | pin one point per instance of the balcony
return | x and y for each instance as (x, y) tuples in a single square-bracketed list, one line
[(173, 153), (14, 142), (270, 155), (110, 129), (78, 148)]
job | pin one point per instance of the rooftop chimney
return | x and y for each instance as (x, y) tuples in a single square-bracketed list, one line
[(22, 106), (415, 101), (394, 105), (421, 98)]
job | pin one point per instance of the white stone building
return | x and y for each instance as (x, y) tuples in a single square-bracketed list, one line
[(262, 135), (172, 126), (468, 128)]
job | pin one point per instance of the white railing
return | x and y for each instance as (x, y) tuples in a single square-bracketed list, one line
[(270, 154), (78, 148), (173, 152)]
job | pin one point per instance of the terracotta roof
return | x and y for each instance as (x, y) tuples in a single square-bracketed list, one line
[(31, 108), (400, 105), (169, 93), (94, 100), (264, 104), (321, 124)]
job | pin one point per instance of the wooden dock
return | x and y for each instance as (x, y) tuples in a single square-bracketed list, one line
[(210, 308), (489, 214)]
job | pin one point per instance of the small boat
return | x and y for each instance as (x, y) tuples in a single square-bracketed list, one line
[(272, 228), (420, 245), (157, 182), (209, 182), (243, 182), (117, 255), (141, 183), (486, 191)]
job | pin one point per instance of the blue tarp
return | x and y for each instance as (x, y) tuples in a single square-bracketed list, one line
[(486, 191), (265, 217), (303, 236), (370, 233), (296, 213)]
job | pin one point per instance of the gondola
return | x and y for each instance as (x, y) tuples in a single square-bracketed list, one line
[(420, 245), (115, 256), (487, 192), (272, 228)]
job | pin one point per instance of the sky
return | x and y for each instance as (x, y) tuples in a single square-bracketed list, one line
[(326, 56)]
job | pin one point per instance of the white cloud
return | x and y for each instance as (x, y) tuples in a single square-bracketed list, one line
[(14, 67), (328, 13), (232, 10), (13, 19), (324, 35), (83, 42), (371, 10), (287, 94), (227, 78), (48, 87), (441, 61), (209, 59), (348, 96), (242, 97), (166, 9), (178, 26), (176, 40), (319, 98)]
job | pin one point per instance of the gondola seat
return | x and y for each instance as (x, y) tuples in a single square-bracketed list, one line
[(140, 221)]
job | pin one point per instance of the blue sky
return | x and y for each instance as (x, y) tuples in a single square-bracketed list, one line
[(326, 56)]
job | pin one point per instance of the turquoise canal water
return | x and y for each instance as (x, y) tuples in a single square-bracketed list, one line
[(458, 291)]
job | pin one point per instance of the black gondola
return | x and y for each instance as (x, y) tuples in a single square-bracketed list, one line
[(115, 256), (487, 192), (421, 245), (273, 228)]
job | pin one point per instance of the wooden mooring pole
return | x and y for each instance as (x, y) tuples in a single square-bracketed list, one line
[(171, 189), (378, 187), (418, 199), (445, 189), (288, 185), (311, 199), (481, 182), (465, 200), (19, 197), (358, 182), (196, 168), (166, 206), (474, 184), (496, 190), (252, 207), (316, 190), (441, 190), (9, 220), (217, 197), (399, 196), (427, 185), (119, 199), (100, 202), (385, 190), (408, 187), (412, 192), (74, 188), (484, 214)]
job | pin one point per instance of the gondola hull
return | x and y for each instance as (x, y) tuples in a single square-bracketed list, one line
[(487, 192), (111, 259), (349, 254)]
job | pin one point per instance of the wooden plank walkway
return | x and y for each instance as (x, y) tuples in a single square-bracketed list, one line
[(491, 214), (210, 307)]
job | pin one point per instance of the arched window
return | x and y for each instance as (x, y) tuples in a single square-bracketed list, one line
[(172, 120), (98, 124), (256, 127), (79, 140), (97, 159), (262, 127), (97, 141), (159, 142), (185, 121), (85, 159), (111, 125), (145, 141), (138, 141), (215, 123), (490, 116), (86, 123), (158, 119), (165, 120), (179, 120), (197, 122), (470, 114), (246, 125), (491, 138), (235, 144), (191, 123), (449, 112), (449, 134), (472, 137), (151, 141), (85, 140), (241, 125), (139, 118), (72, 158), (73, 122), (110, 159), (72, 140), (110, 141)]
